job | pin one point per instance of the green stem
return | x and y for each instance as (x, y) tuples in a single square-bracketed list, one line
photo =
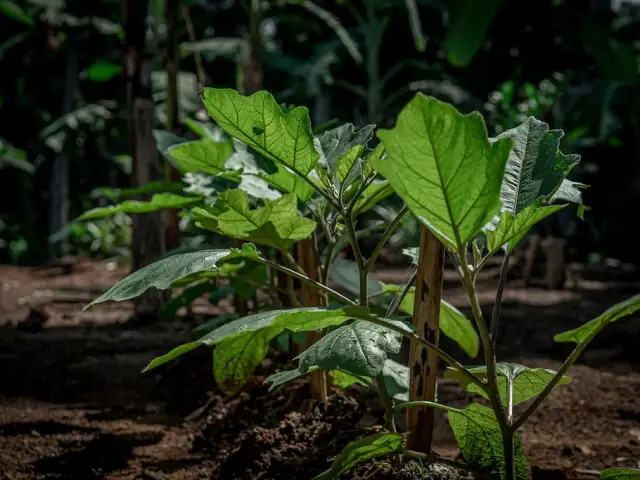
[(385, 237), (387, 401), (487, 344), (359, 259), (291, 293), (304, 278), (451, 463), (427, 404), (509, 464), (497, 306)]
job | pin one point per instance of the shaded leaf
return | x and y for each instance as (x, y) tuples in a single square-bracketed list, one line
[(526, 382), (360, 348), (159, 201), (346, 274), (478, 435), (433, 152), (162, 273), (362, 450), (371, 196), (586, 332), (11, 10), (270, 323)]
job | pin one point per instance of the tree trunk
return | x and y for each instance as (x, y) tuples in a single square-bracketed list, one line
[(172, 65), (148, 242), (59, 183)]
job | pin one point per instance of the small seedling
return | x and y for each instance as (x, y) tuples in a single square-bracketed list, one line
[(479, 196)]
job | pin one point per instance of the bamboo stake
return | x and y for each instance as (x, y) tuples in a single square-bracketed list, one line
[(423, 362)]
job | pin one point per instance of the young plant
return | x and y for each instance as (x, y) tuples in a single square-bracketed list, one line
[(477, 195)]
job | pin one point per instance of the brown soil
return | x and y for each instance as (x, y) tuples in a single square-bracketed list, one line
[(74, 405)]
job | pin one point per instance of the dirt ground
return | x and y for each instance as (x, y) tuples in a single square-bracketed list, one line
[(74, 405)]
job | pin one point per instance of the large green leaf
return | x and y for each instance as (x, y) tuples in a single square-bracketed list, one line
[(620, 474), (478, 435), (453, 323), (360, 348), (526, 383), (510, 230), (287, 181), (362, 450), (164, 272), (259, 121), (270, 323), (159, 201), (536, 166), (470, 20), (204, 156), (586, 332), (276, 224), (442, 164)]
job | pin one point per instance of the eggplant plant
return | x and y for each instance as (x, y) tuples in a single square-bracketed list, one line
[(478, 195)]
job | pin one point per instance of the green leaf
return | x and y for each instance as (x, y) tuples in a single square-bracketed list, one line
[(362, 450), (360, 348), (115, 194), (453, 323), (413, 253), (234, 360), (11, 10), (620, 474), (396, 378), (259, 121), (289, 182), (571, 192), (536, 166), (276, 224), (346, 274), (269, 323), (342, 379), (470, 20), (526, 382), (164, 272), (204, 156), (103, 71), (510, 229), (442, 165), (478, 435), (159, 201), (586, 332), (341, 147), (279, 379), (371, 196)]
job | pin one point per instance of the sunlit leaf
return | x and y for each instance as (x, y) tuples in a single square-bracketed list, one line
[(433, 152), (276, 224), (526, 383), (204, 156)]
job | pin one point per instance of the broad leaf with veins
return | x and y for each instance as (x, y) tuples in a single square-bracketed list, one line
[(445, 169)]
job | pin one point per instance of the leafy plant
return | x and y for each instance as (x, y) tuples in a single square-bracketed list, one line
[(478, 195)]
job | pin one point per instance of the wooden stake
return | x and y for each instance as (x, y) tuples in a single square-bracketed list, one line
[(423, 363), (313, 298)]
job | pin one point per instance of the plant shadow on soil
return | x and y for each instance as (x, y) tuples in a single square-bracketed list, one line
[(74, 405)]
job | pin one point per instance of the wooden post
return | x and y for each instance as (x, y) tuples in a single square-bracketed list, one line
[(423, 362), (313, 298)]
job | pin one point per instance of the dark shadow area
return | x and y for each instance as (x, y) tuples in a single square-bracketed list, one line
[(95, 459), (42, 429)]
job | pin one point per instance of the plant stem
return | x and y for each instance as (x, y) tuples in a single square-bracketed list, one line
[(304, 278), (507, 444), (451, 463), (489, 353), (427, 404), (291, 293), (359, 259), (387, 401), (497, 306), (385, 237)]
